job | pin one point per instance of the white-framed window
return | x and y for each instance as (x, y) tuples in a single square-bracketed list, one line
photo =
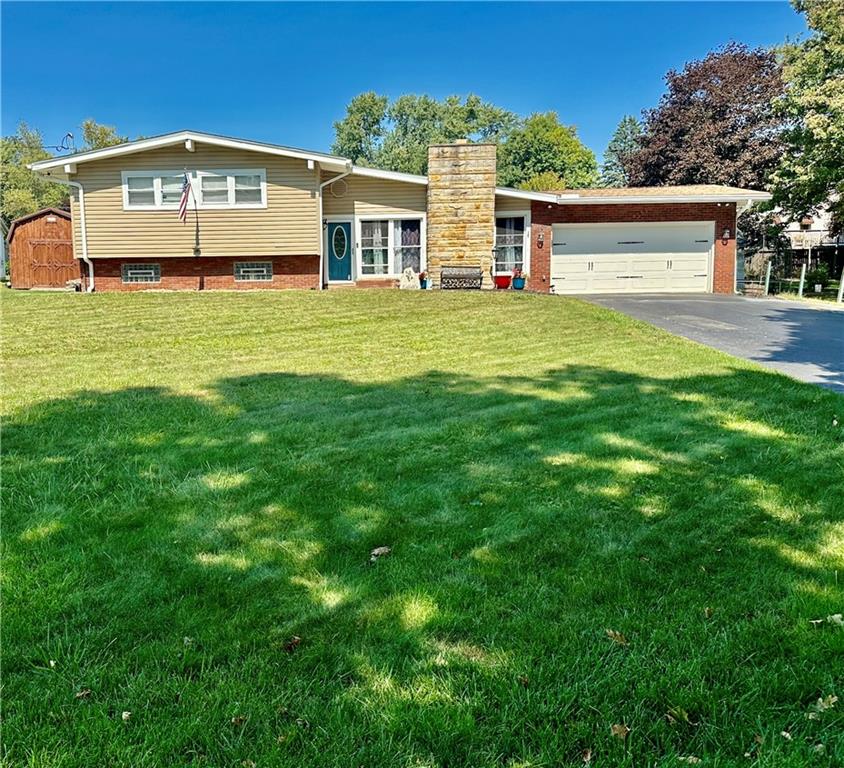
[(253, 271), (512, 243), (210, 189), (389, 246), (141, 273), (245, 188)]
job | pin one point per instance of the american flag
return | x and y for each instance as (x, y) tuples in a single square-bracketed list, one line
[(183, 203)]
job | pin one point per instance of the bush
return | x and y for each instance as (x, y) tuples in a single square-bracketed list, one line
[(819, 274)]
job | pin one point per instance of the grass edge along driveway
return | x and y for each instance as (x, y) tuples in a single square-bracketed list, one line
[(192, 485)]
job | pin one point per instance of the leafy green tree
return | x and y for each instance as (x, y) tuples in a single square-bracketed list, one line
[(358, 135), (395, 136), (97, 136), (21, 190), (544, 146), (811, 171), (623, 144), (547, 181)]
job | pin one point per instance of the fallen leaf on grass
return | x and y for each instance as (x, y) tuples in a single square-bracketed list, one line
[(786, 735), (616, 637), (52, 663), (248, 763), (620, 731), (821, 705), (83, 694), (523, 681), (836, 619), (678, 715), (292, 644), (707, 612), (238, 719), (379, 552), (126, 716), (587, 756), (691, 759)]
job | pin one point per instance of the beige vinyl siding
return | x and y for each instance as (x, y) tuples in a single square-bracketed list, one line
[(510, 204), (366, 196), (288, 226)]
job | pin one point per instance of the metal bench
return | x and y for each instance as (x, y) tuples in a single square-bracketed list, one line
[(461, 278)]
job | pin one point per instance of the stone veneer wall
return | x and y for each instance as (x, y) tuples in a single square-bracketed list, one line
[(461, 207)]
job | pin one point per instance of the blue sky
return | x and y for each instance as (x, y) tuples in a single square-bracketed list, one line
[(284, 72)]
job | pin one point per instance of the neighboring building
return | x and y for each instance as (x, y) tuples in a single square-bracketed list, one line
[(277, 217), (41, 250), (812, 243)]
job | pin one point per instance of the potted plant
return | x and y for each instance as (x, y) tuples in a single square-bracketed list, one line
[(502, 281), (519, 279), (423, 280)]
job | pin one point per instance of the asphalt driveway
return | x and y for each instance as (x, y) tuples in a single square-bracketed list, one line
[(800, 340)]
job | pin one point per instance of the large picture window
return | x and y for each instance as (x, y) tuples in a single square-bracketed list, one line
[(162, 190), (389, 246), (510, 236)]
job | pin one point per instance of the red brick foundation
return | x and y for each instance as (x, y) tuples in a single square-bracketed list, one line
[(208, 273), (543, 215)]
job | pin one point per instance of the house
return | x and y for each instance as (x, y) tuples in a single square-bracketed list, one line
[(41, 252), (813, 243), (267, 216)]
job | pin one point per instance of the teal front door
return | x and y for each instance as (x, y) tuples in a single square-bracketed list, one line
[(340, 251)]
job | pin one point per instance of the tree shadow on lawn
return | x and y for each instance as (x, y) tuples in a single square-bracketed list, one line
[(165, 550)]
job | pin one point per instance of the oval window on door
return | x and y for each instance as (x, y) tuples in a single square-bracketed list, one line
[(338, 243)]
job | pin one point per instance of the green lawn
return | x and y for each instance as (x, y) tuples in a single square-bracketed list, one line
[(192, 481)]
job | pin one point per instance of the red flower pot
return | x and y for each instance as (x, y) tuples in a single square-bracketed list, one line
[(502, 281)]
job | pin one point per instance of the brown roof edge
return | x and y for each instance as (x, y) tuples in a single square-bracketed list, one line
[(22, 219)]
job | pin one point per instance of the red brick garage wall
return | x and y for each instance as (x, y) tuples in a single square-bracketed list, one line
[(204, 273), (544, 215)]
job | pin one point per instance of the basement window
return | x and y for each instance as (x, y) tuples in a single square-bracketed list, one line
[(141, 273), (253, 271)]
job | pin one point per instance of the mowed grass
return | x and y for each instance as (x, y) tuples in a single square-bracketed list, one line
[(193, 483)]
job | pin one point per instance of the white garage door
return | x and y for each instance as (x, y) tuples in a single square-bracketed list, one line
[(627, 258)]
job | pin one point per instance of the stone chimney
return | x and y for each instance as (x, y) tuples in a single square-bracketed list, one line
[(461, 207)]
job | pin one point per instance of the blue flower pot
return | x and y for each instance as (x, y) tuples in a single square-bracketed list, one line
[(518, 283), (423, 284)]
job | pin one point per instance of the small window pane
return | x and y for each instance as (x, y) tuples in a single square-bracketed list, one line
[(247, 189), (375, 261), (215, 189), (171, 189), (141, 273), (374, 234), (246, 271), (140, 190)]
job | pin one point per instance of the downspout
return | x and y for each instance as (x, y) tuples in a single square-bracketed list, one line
[(322, 186), (82, 228)]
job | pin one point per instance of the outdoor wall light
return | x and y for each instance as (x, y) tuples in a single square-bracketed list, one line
[(725, 235), (540, 239)]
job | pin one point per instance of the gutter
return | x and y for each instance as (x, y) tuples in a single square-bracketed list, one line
[(323, 185), (82, 227)]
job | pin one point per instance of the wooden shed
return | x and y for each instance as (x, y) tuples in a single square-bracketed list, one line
[(41, 250)]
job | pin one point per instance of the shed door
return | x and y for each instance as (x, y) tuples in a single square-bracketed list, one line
[(629, 258), (51, 263)]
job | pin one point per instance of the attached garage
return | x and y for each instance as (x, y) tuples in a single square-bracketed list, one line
[(664, 257)]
